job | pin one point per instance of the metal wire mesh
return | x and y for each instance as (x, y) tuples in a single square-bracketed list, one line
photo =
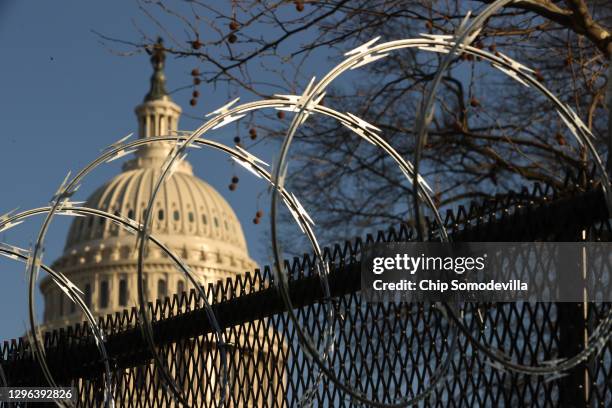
[(383, 351)]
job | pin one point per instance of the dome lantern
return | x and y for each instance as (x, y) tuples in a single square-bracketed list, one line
[(158, 115)]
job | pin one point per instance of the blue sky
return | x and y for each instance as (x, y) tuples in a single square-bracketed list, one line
[(64, 97)]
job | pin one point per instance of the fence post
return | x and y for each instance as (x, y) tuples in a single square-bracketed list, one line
[(609, 101), (571, 326), (571, 340)]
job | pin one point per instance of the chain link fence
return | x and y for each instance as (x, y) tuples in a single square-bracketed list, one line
[(383, 351)]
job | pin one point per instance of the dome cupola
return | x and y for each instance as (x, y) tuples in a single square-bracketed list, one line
[(158, 115)]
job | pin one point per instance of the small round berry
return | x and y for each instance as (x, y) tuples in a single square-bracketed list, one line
[(259, 214), (195, 93), (560, 139), (255, 220), (196, 81), (538, 75), (299, 6), (196, 44), (237, 139), (233, 25), (280, 115), (195, 72), (253, 133), (474, 102), (232, 187), (235, 180), (232, 38), (193, 102)]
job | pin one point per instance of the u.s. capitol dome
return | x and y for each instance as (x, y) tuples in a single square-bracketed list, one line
[(189, 216)]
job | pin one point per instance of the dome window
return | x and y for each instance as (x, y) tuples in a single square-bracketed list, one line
[(123, 292), (226, 227), (131, 214), (191, 218), (177, 215), (180, 287), (162, 289), (87, 293), (216, 222), (160, 215), (103, 294), (204, 220)]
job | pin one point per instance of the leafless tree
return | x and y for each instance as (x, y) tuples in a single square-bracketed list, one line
[(489, 134)]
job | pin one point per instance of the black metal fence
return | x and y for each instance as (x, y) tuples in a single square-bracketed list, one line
[(383, 351)]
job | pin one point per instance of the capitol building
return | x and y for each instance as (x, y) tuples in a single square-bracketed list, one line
[(189, 216)]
